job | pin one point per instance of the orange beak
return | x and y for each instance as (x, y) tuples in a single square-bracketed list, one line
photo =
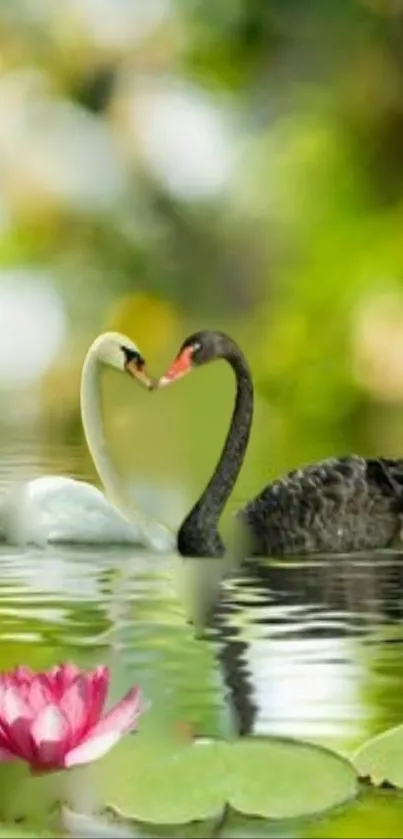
[(179, 367)]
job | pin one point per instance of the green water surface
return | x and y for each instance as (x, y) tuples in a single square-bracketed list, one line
[(309, 650)]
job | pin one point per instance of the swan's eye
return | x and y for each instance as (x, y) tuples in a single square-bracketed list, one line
[(132, 356), (196, 353), (196, 348)]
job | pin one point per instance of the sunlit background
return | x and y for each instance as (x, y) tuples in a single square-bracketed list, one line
[(171, 165)]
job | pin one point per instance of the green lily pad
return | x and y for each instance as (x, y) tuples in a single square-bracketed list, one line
[(166, 783), (88, 825), (26, 796), (280, 778), (14, 831), (173, 782), (381, 758), (238, 826)]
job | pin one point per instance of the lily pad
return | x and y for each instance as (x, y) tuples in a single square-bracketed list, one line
[(237, 826), (381, 758), (280, 778), (176, 783), (89, 825), (14, 831), (169, 783), (26, 796)]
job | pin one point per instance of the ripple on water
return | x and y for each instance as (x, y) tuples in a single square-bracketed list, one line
[(312, 649)]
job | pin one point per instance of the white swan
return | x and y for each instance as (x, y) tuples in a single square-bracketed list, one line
[(59, 509)]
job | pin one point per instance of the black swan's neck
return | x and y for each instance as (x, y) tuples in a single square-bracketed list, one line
[(198, 535)]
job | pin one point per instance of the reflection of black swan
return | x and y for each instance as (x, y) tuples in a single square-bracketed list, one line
[(338, 505)]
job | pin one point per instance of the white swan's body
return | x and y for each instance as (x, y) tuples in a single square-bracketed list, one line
[(61, 509)]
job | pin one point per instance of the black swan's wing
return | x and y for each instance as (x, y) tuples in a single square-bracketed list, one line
[(337, 505), (394, 469)]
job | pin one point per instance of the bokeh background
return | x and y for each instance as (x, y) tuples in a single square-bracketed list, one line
[(172, 165), (169, 165)]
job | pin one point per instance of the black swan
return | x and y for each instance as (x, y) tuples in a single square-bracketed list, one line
[(338, 505)]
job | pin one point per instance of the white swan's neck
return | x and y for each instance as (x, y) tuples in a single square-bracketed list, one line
[(153, 533)]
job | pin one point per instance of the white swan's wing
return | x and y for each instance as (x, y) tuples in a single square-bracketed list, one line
[(59, 509)]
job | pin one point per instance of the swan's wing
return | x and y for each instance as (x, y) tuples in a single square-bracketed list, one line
[(59, 509)]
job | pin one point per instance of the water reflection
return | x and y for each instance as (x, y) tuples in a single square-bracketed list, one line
[(313, 649), (309, 649)]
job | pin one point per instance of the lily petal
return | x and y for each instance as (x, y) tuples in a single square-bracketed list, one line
[(61, 676), (20, 679), (122, 717), (67, 673), (75, 704), (14, 707), (92, 749), (4, 738), (3, 688), (50, 731), (16, 720), (5, 742), (6, 755), (39, 694), (19, 739), (22, 673), (99, 684)]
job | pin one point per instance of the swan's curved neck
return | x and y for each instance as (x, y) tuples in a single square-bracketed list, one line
[(90, 397), (93, 429), (198, 535)]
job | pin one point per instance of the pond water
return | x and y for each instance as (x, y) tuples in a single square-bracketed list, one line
[(304, 649)]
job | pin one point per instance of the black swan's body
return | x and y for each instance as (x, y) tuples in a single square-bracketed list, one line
[(338, 505)]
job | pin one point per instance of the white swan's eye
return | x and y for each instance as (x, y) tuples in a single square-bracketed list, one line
[(132, 356)]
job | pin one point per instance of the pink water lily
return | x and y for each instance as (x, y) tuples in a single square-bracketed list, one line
[(53, 720)]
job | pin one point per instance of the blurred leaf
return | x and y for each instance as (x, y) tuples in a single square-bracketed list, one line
[(381, 758)]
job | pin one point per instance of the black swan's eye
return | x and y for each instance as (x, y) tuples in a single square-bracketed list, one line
[(197, 352), (132, 355)]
